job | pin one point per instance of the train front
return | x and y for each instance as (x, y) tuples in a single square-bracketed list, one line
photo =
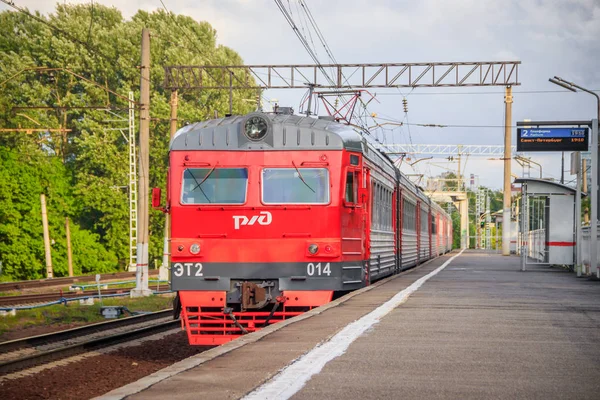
[(256, 203)]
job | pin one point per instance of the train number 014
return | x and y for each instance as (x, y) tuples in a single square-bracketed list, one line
[(187, 269), (318, 269)]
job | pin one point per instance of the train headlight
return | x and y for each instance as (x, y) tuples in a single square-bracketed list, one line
[(313, 249), (256, 127), (195, 248)]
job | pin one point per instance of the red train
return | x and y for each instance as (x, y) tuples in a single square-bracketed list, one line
[(274, 214)]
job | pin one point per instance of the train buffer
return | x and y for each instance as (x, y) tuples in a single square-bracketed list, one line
[(477, 328)]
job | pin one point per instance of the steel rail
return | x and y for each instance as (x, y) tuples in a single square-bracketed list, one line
[(48, 338), (80, 348), (44, 297), (5, 286)]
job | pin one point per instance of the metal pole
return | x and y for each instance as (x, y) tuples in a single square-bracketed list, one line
[(594, 195), (310, 95), (586, 212), (141, 288), (496, 226), (524, 222), (562, 168), (69, 254), (578, 232), (506, 233), (163, 272), (594, 199), (49, 271), (464, 223), (231, 93)]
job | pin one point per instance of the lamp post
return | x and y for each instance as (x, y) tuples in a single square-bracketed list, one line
[(594, 189)]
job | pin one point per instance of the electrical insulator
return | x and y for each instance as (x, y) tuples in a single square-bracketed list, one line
[(405, 104)]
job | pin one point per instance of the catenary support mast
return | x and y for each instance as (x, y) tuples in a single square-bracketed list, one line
[(141, 288), (164, 271), (506, 210)]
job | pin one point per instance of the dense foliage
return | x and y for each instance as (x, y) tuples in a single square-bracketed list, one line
[(84, 172)]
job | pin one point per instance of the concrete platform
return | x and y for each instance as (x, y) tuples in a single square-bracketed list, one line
[(479, 328)]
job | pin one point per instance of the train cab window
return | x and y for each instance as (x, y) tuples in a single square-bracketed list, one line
[(214, 186), (295, 186), (351, 191)]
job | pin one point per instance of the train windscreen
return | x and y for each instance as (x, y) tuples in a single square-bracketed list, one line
[(214, 186), (295, 186)]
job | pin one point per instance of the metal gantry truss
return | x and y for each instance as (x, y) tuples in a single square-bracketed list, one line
[(132, 187), (488, 222), (479, 210), (343, 76), (482, 211), (446, 149)]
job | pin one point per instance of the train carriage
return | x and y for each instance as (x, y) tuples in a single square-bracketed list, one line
[(275, 214)]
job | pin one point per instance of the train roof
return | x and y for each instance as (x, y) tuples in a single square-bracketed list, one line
[(285, 132)]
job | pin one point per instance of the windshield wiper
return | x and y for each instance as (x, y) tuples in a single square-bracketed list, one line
[(198, 185), (205, 178), (301, 178)]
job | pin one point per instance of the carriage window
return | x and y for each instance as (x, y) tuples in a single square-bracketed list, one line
[(295, 186), (351, 188), (424, 221), (408, 215), (214, 186)]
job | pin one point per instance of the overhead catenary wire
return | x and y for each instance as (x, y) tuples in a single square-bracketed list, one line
[(312, 52), (479, 93), (436, 125)]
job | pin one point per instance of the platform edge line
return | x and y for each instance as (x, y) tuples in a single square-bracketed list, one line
[(291, 379)]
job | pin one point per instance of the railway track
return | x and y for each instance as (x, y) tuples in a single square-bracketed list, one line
[(49, 297), (7, 286), (21, 354)]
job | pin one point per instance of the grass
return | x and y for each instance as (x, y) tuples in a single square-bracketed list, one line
[(77, 314)]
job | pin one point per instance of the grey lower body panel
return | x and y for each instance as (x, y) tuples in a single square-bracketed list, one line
[(315, 275), (383, 258)]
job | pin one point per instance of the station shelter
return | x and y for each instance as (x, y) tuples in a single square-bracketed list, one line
[(547, 222)]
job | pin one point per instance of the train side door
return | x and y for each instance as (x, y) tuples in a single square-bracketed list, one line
[(365, 198), (355, 213)]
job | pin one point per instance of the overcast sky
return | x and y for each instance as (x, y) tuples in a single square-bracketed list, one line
[(549, 37)]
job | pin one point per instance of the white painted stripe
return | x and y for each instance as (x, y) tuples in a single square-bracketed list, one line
[(293, 377)]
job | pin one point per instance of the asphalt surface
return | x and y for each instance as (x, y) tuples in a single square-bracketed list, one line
[(480, 328)]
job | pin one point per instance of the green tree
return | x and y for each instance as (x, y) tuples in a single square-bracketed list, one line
[(84, 171)]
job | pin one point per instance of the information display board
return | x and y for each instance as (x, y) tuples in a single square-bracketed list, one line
[(552, 139)]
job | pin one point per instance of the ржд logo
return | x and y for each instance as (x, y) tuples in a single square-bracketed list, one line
[(264, 218)]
